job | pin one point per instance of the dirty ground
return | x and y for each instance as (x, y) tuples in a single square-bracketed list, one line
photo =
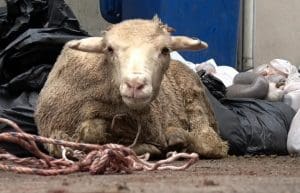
[(265, 174)]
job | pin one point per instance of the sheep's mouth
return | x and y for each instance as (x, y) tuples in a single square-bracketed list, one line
[(136, 102)]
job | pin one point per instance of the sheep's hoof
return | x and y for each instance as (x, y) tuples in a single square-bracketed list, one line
[(209, 145), (144, 148), (176, 138), (55, 150)]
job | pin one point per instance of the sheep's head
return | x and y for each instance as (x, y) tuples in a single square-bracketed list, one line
[(139, 51)]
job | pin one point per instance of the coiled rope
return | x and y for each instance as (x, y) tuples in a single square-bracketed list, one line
[(99, 159)]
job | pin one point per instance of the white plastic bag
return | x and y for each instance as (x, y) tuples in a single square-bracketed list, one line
[(283, 66), (293, 140), (176, 56), (292, 99)]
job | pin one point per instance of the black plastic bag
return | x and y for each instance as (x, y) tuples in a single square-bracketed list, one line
[(213, 84), (32, 48), (28, 14), (253, 126), (32, 34), (264, 124)]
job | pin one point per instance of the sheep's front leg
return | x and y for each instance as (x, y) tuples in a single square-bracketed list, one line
[(55, 150), (207, 143), (92, 131), (204, 136), (89, 131), (177, 138)]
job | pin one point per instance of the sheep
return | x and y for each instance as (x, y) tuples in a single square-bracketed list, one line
[(107, 89)]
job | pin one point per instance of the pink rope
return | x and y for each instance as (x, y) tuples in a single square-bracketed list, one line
[(99, 159)]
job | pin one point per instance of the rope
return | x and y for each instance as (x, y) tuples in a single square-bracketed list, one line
[(99, 159), (138, 132)]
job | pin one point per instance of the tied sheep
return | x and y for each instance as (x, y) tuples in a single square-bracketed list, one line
[(103, 89)]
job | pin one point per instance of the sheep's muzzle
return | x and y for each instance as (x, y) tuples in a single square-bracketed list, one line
[(136, 90)]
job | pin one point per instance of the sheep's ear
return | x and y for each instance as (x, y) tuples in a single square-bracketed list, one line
[(91, 44), (186, 43)]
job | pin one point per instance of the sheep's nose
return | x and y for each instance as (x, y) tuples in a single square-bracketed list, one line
[(135, 85), (135, 81)]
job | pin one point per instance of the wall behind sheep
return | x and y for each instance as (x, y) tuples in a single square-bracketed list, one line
[(88, 14), (277, 31)]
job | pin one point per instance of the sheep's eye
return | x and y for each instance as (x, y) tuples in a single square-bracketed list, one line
[(110, 49), (165, 51)]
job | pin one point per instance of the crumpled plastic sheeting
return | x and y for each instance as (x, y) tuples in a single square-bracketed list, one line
[(283, 66), (213, 84), (32, 48), (32, 34), (223, 73), (263, 127), (25, 14), (280, 70), (252, 126)]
